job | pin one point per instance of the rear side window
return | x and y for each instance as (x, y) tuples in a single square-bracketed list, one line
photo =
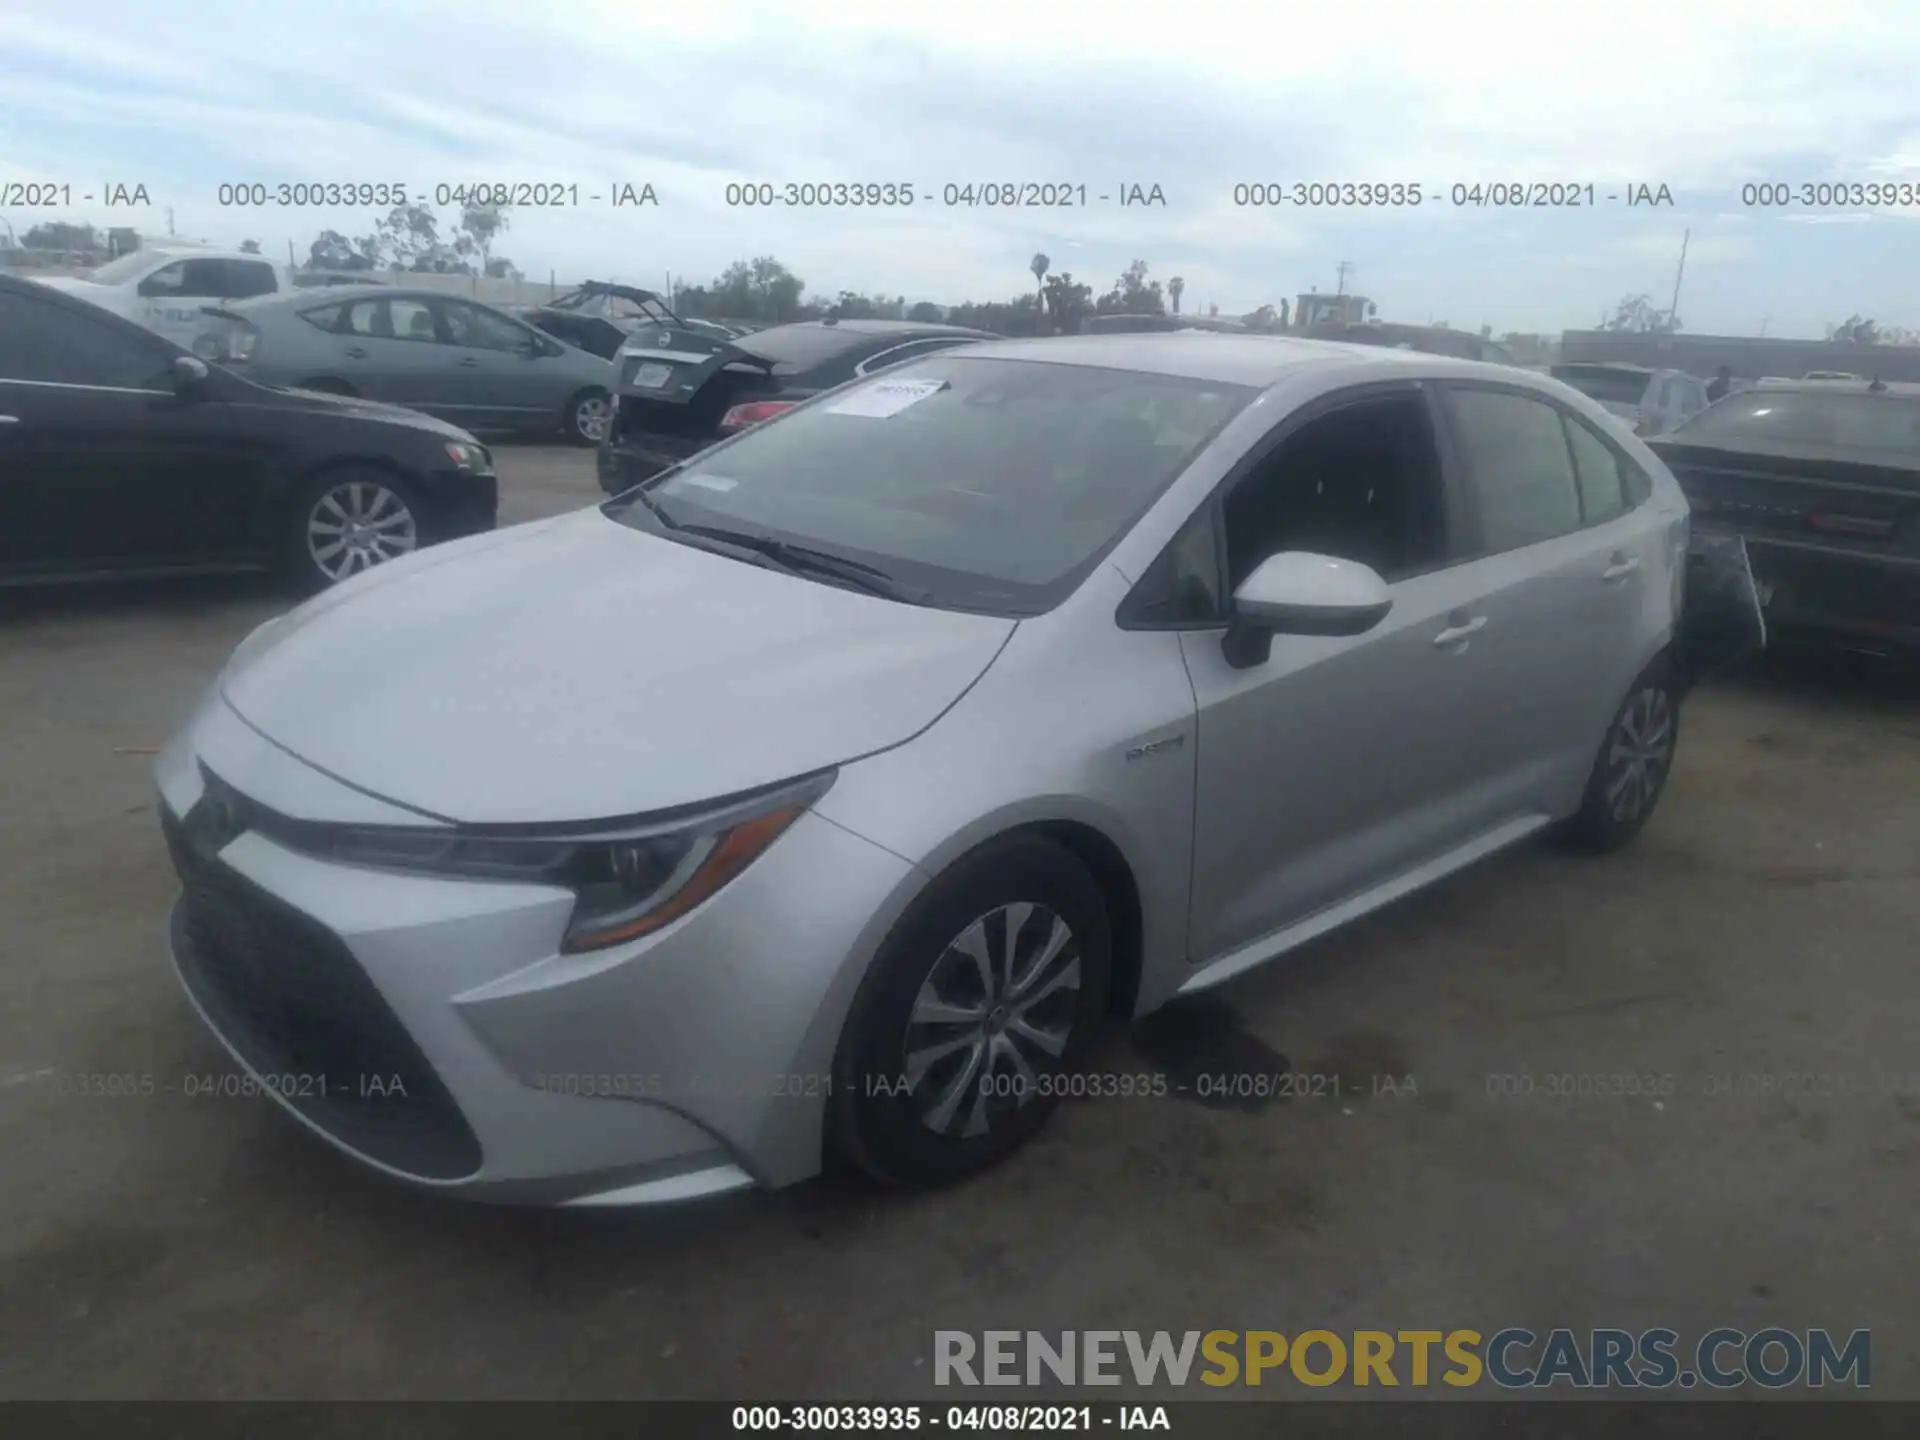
[(1603, 491), (326, 317), (247, 278), (1517, 461)]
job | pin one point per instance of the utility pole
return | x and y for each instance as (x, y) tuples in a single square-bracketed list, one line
[(169, 220), (1763, 325), (1673, 310), (1344, 268)]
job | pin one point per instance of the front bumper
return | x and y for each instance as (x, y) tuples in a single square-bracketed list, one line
[(430, 1028), (461, 504)]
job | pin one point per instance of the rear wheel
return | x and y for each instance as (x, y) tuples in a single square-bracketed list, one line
[(588, 414), (347, 521), (983, 997), (1630, 772)]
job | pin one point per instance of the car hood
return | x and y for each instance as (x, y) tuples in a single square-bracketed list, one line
[(351, 405), (579, 669)]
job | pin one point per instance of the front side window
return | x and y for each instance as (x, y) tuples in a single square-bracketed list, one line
[(247, 278), (1517, 461), (478, 329), (990, 484), (51, 344), (1361, 482), (167, 280)]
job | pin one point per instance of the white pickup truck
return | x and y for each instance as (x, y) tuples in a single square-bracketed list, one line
[(163, 288)]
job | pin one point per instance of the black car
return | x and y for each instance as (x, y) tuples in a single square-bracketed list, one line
[(123, 454), (600, 317), (1823, 481), (673, 403)]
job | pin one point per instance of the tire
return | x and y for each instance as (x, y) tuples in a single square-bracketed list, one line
[(914, 1121), (587, 417), (372, 514), (1640, 743)]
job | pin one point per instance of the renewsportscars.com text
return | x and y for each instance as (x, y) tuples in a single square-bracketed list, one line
[(1512, 1358)]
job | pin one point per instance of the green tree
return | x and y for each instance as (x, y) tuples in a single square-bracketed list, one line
[(60, 235), (1068, 303), (1039, 265), (926, 313), (249, 247), (1132, 294), (480, 226), (408, 237), (1855, 330)]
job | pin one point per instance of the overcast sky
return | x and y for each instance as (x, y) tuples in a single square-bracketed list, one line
[(1702, 97)]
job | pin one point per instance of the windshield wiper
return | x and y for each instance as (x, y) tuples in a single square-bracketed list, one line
[(803, 559)]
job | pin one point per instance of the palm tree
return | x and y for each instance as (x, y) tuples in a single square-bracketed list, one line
[(1039, 265), (1174, 287)]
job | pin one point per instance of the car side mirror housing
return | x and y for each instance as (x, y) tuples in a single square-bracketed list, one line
[(1296, 593), (188, 371)]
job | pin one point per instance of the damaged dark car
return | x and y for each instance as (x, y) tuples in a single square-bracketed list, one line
[(674, 400), (1822, 481), (599, 317)]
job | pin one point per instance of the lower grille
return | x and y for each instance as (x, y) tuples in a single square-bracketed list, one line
[(291, 999)]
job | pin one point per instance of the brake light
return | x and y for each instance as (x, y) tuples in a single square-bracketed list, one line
[(752, 413)]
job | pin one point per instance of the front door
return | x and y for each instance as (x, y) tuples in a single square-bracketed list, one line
[(1339, 763), (498, 370)]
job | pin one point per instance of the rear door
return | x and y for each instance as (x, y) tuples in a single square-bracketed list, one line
[(388, 348), (103, 464), (1564, 574)]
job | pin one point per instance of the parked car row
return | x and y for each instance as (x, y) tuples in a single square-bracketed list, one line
[(121, 453)]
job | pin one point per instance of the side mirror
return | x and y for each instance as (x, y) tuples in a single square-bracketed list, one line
[(188, 371), (1295, 593)]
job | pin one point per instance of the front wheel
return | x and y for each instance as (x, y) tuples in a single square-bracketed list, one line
[(1630, 773), (978, 1005), (588, 415), (348, 521)]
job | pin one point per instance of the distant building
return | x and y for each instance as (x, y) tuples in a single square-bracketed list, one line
[(1314, 309)]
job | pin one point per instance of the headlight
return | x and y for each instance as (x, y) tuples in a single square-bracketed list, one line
[(627, 881), (474, 459)]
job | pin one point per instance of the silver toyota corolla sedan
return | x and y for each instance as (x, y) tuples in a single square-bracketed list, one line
[(816, 799)]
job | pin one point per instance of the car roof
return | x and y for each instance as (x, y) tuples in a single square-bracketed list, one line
[(905, 329), (1255, 360), (1624, 367), (1906, 388), (319, 295)]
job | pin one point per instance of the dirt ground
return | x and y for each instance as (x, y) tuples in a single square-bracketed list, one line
[(1764, 928)]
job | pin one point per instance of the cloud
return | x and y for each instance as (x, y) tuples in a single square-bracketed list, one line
[(1702, 98)]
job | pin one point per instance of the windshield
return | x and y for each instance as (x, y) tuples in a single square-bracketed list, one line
[(1609, 387), (1874, 424), (125, 268), (801, 347), (989, 484)]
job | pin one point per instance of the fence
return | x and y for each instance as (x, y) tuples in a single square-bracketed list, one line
[(1749, 357)]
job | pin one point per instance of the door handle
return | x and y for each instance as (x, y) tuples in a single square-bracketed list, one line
[(1454, 634), (1619, 568), (468, 363), (356, 353)]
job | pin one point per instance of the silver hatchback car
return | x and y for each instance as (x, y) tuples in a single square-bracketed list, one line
[(818, 798)]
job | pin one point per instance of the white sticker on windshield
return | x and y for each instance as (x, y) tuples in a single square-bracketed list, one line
[(711, 482), (881, 398)]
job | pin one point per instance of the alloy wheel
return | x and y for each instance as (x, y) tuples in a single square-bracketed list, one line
[(995, 1012), (357, 525), (590, 417), (1640, 751)]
